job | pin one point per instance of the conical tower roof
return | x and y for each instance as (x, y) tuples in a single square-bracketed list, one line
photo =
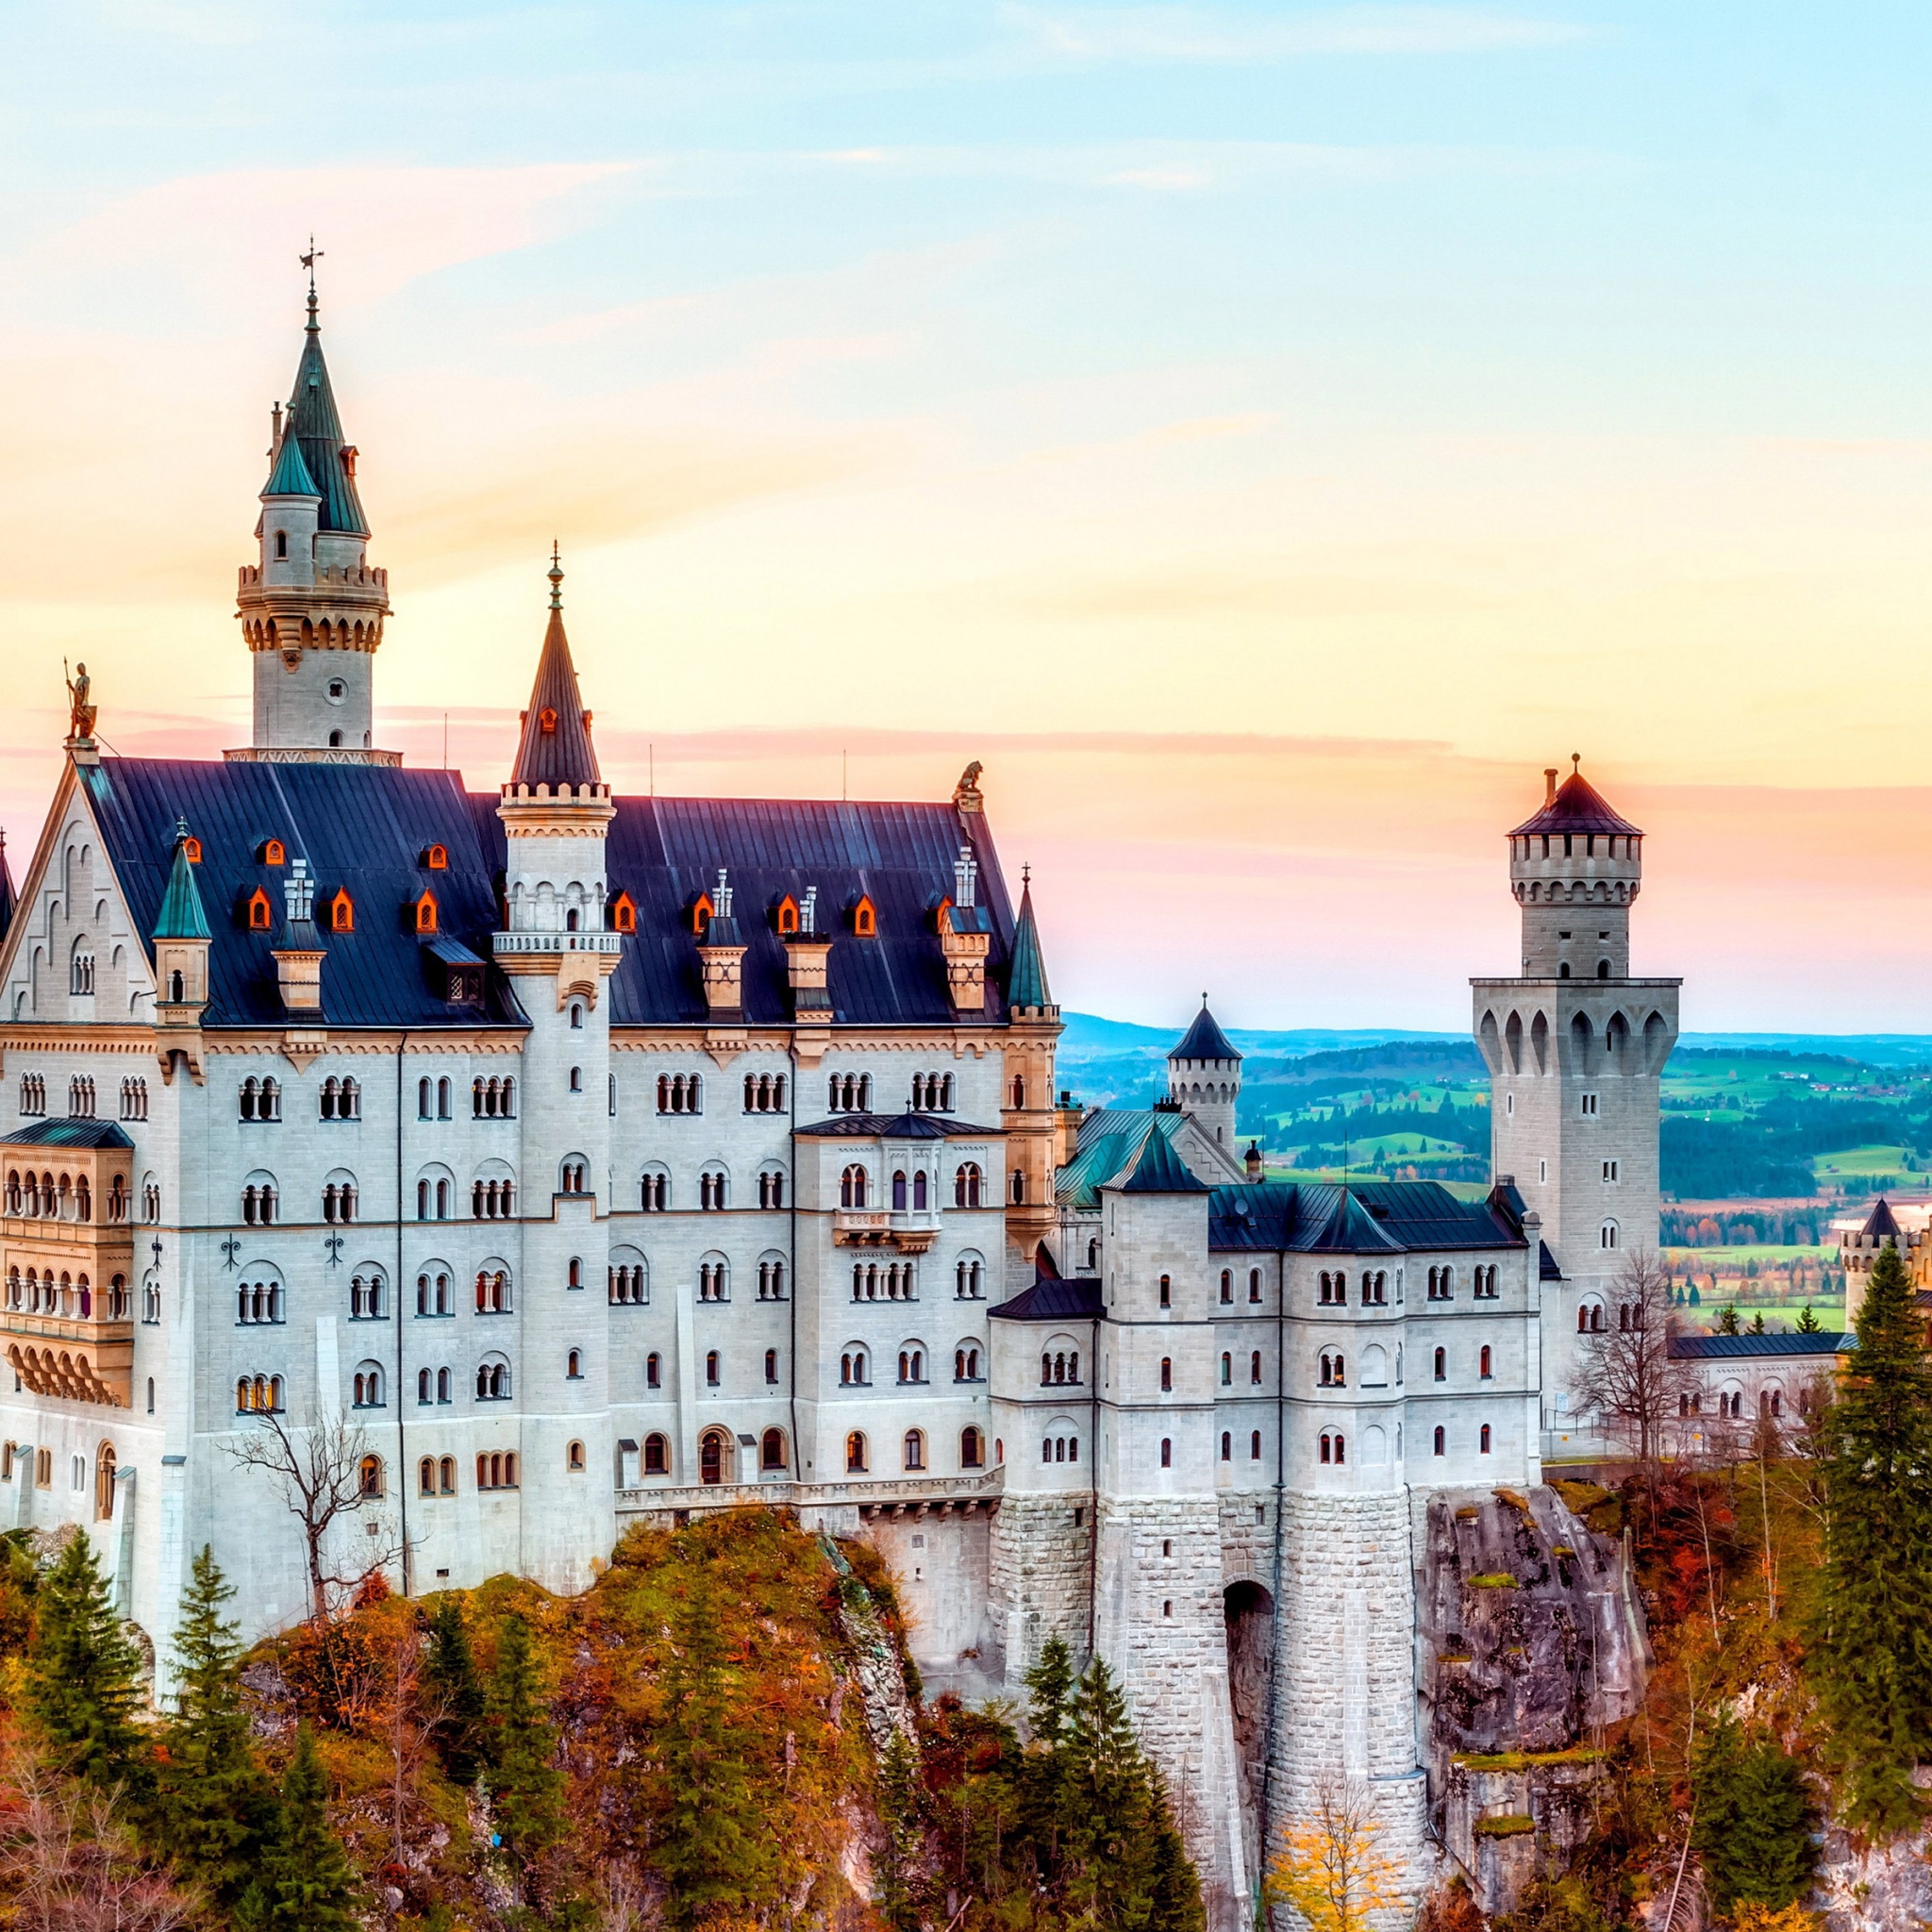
[(182, 916), (1205, 1040), (556, 746), (1160, 1171), (1881, 1225), (289, 476), (1026, 976), (1575, 805), (315, 425)]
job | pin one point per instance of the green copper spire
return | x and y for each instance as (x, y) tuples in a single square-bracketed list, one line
[(1026, 976), (289, 476), (182, 917), (314, 423)]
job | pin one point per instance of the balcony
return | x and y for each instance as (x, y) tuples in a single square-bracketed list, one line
[(525, 945), (76, 1358)]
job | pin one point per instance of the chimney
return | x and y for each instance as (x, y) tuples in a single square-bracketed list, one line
[(965, 877), (965, 937), (299, 955), (1549, 784), (721, 953), (807, 952)]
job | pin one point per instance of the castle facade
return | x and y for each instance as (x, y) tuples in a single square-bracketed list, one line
[(566, 1159)]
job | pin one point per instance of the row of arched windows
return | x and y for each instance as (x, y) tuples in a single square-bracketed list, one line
[(67, 1197), (259, 1100), (1227, 1278), (1254, 1368), (134, 1099), (764, 1093), (1484, 1438), (848, 1093), (717, 1453), (338, 1201), (894, 1282), (259, 1301), (495, 1099), (258, 1395), (36, 1291), (932, 1094), (342, 1100), (33, 1095), (680, 1093), (1060, 1365), (1332, 1289), (80, 1097)]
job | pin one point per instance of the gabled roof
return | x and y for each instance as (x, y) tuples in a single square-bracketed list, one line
[(898, 1126), (182, 915), (1693, 1348), (556, 746), (1160, 1171), (1575, 805), (1881, 1225), (1026, 976), (289, 476), (1548, 1267), (6, 900), (312, 420), (1205, 1040), (69, 1133), (1052, 1299), (1364, 1217)]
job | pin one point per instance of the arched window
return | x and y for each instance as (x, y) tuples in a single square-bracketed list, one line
[(855, 1454), (852, 1369), (901, 1193), (1167, 1291), (368, 1386), (1442, 1365), (711, 1367), (104, 1483), (1254, 1446), (574, 1366), (653, 1370), (492, 1379), (1483, 1439), (913, 1450), (1167, 1451), (1255, 1367), (1227, 1368), (772, 1450), (369, 1478), (1483, 1368), (425, 1476), (1166, 1374), (968, 1182), (1253, 1284), (493, 1289), (966, 1278), (852, 1187), (656, 1454), (1441, 1442), (1226, 1288), (971, 1449), (654, 1190)]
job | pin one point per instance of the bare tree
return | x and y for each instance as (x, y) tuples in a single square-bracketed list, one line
[(1625, 1376), (318, 1474), (67, 1864)]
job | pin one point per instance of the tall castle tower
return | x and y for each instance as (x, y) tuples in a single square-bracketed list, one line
[(312, 608), (1575, 1048), (1204, 1077), (556, 812)]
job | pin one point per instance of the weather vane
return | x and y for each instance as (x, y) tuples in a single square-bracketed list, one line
[(313, 255)]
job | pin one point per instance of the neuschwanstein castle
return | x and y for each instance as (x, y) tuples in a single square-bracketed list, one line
[(596, 1159)]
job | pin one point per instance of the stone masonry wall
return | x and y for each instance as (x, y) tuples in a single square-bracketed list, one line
[(1039, 1576)]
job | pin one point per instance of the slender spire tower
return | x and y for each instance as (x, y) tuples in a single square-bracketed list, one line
[(312, 607)]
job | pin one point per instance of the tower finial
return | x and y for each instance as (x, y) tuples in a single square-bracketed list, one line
[(308, 262), (1026, 875), (555, 577), (1576, 762)]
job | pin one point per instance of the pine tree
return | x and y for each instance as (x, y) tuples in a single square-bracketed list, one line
[(81, 1673), (1808, 1323), (214, 1805), (526, 1787), (306, 1883), (1727, 1318), (452, 1692), (714, 1851), (1753, 1821), (1870, 1653), (1043, 1768)]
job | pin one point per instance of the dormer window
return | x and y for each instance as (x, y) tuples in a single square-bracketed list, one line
[(281, 545), (788, 916), (865, 918), (436, 858), (546, 722), (624, 913), (424, 910), (260, 913), (341, 912), (700, 914), (273, 852), (190, 851)]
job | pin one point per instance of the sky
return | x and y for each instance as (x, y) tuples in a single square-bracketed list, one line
[(1266, 436)]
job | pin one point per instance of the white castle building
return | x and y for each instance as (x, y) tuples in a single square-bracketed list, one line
[(601, 1157)]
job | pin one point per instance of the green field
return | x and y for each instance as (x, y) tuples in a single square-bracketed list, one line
[(1882, 1166)]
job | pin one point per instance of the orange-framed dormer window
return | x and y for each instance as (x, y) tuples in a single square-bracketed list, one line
[(272, 852), (342, 912), (624, 913), (700, 914), (865, 918), (261, 915), (436, 858), (787, 915), (191, 850), (547, 721), (424, 912)]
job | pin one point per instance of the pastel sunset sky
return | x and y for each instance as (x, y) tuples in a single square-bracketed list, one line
[(1267, 436)]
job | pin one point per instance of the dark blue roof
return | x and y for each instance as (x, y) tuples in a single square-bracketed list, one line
[(899, 1127), (70, 1133), (313, 420), (1881, 1224), (1026, 978), (1076, 1299), (1365, 1217), (1205, 1040), (1547, 1266), (1161, 1171), (369, 827), (1721, 1347), (5, 889)]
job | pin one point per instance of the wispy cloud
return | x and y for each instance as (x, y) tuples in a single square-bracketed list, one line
[(1211, 35)]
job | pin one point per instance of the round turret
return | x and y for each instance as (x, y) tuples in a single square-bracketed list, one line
[(1574, 869)]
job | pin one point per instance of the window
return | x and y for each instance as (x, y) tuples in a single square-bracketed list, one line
[(81, 969), (1606, 1234), (625, 1285), (967, 1185), (339, 1199), (493, 1289), (574, 1366), (971, 1449), (1226, 1445), (342, 1099), (656, 1454), (1018, 1191), (1610, 1172), (624, 913), (932, 1094), (281, 544), (848, 1093), (911, 1365), (134, 1100), (913, 1450), (770, 1367), (1483, 1281), (901, 1191), (1227, 1368), (258, 1203), (852, 1187), (80, 1098), (1334, 1372), (497, 1471), (490, 1200), (365, 1297), (764, 1093), (260, 913), (852, 1369), (368, 1478), (1226, 1288), (1441, 1286), (1166, 1292), (714, 1280), (1253, 1284), (654, 1190), (653, 1370), (1589, 1105), (772, 1187), (966, 1363), (1255, 1369), (855, 1454), (33, 1095), (1255, 1447), (577, 1079), (680, 1093), (711, 1185), (1375, 1290), (258, 1395), (1166, 1374), (1334, 1291), (967, 1278), (711, 1367), (1483, 1441), (865, 918), (368, 1386), (576, 1017), (434, 1296), (1440, 1442), (493, 1099), (771, 1279), (492, 1379), (259, 1100), (1482, 1361), (340, 914), (1442, 1365), (772, 1450), (1167, 1451), (424, 913)]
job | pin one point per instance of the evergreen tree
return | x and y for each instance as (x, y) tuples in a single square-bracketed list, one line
[(306, 1883), (1041, 1773), (526, 1787), (713, 1849), (1870, 1653), (82, 1673), (452, 1692), (1753, 1821), (214, 1805), (1757, 1323), (1808, 1323), (1727, 1318), (899, 1792)]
